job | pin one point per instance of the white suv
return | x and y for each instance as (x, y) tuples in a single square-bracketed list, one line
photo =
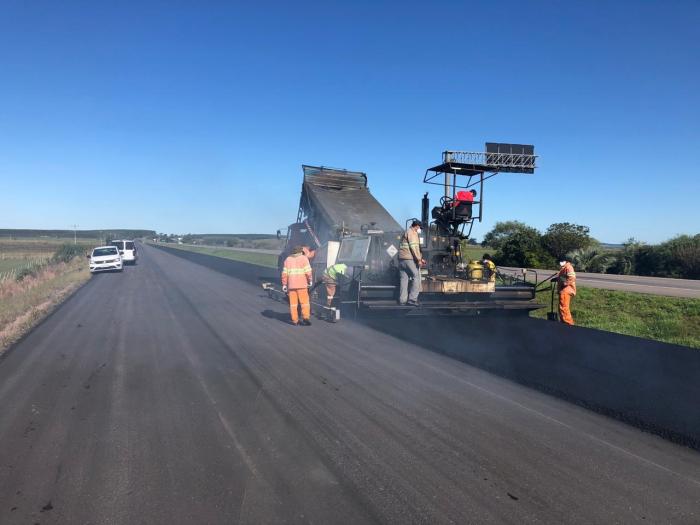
[(127, 249), (105, 258)]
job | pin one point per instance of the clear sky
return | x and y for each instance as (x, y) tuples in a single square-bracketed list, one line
[(184, 116)]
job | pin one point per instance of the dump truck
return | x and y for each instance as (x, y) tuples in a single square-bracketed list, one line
[(340, 221)]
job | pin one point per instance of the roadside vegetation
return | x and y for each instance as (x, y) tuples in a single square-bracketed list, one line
[(517, 244), (35, 276)]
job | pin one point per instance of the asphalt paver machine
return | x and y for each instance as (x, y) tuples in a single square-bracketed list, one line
[(340, 221)]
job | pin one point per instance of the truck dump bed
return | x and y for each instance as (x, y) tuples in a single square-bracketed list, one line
[(341, 199)]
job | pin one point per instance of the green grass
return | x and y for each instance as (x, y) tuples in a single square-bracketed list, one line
[(261, 259), (668, 319), (471, 252)]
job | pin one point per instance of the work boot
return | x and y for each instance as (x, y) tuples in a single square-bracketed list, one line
[(293, 323), (413, 303), (306, 322)]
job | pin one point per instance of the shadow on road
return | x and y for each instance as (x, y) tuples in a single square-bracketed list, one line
[(279, 316)]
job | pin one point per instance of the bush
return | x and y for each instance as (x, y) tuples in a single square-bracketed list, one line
[(503, 231), (523, 249), (683, 254), (652, 261), (677, 257), (25, 272), (67, 252), (517, 244), (593, 260), (563, 237)]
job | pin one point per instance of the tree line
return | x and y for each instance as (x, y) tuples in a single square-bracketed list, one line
[(517, 244), (119, 233)]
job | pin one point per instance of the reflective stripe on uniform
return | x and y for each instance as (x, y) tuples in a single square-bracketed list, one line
[(409, 245), (297, 271)]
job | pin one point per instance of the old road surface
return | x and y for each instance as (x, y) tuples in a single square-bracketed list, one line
[(174, 394), (667, 286)]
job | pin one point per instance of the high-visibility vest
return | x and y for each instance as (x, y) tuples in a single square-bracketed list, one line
[(409, 247), (332, 272), (567, 279), (296, 273)]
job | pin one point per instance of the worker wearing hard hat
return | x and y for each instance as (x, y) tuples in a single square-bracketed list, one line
[(410, 261), (489, 267), (566, 279), (331, 277), (296, 280)]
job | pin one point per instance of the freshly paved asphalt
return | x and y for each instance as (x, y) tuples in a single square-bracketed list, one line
[(171, 393)]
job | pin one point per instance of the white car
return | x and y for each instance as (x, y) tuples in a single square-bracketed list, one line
[(105, 258), (127, 249)]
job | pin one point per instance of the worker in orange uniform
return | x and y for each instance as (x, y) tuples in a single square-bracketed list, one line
[(296, 280), (566, 279)]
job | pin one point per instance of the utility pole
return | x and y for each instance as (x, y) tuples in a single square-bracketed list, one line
[(75, 233)]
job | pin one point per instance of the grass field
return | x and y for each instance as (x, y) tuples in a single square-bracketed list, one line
[(261, 259), (26, 297), (475, 252), (669, 319), (40, 247)]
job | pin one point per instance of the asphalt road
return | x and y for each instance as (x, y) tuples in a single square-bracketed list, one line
[(171, 393), (630, 283)]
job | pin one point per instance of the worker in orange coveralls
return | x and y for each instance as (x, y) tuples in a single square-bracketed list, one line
[(567, 289), (296, 280)]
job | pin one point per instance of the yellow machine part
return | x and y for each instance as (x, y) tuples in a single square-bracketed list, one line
[(450, 285), (475, 270)]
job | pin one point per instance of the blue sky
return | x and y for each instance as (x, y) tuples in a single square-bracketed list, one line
[(196, 116)]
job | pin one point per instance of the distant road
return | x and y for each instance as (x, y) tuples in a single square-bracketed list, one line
[(631, 283)]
